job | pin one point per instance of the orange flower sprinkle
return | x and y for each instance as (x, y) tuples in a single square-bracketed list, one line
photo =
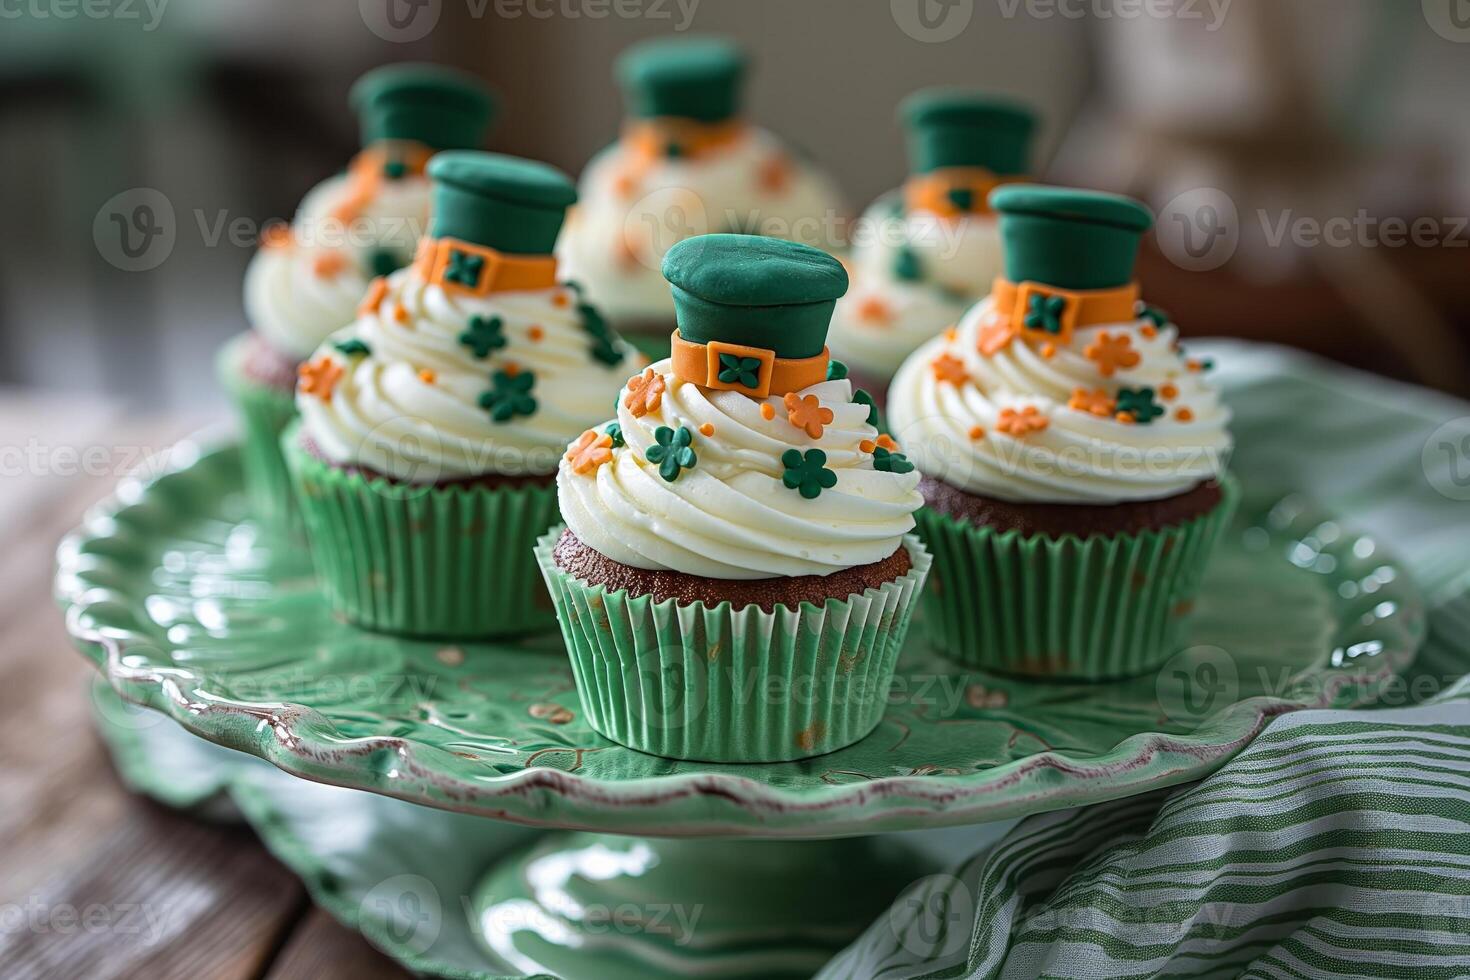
[(1184, 415), (328, 265), (977, 432), (995, 335), (873, 310), (400, 312), (377, 289), (767, 411), (427, 376), (887, 442), (807, 414), (1149, 330), (1048, 351), (951, 334), (707, 430), (645, 393), (1168, 392), (949, 368), (590, 451), (511, 369), (867, 445), (535, 333), (277, 234), (774, 174), (560, 301), (1110, 353), (1095, 402), (1022, 423), (319, 377), (1195, 366)]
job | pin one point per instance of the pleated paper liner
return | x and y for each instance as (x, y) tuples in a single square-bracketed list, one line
[(687, 681), (453, 562), (1085, 609), (264, 412)]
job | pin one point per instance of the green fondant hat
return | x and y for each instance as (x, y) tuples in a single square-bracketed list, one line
[(757, 291), (1072, 239), (949, 128), (439, 107), (501, 202), (690, 78)]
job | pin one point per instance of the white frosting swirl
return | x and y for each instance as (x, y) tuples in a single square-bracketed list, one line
[(953, 432), (730, 516), (411, 407), (301, 290), (883, 318), (676, 199)]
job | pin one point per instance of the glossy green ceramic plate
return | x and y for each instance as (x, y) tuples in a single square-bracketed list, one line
[(187, 608)]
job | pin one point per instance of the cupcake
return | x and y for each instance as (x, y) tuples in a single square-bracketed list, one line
[(307, 279), (735, 577), (1074, 456), (687, 163), (924, 254), (431, 428)]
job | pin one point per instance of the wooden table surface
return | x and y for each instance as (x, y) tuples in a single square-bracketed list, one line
[(95, 882)]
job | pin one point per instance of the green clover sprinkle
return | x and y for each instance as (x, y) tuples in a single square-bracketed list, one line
[(484, 335), (1139, 402), (464, 268), (673, 452), (807, 473), (862, 397), (836, 370), (592, 320), (606, 352), (961, 197), (906, 266), (384, 262), (509, 395), (885, 461), (1154, 315), (737, 370), (615, 431), (395, 169), (1045, 312), (352, 348)]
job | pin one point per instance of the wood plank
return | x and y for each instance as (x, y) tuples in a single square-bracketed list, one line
[(322, 948)]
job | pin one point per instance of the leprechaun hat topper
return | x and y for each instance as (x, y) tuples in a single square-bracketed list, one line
[(752, 311), (955, 128), (686, 78), (1069, 238), (494, 221), (439, 107)]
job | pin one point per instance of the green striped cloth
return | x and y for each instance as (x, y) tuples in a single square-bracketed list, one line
[(1336, 845)]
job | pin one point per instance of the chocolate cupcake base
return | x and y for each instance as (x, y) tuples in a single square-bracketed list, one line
[(1056, 520)]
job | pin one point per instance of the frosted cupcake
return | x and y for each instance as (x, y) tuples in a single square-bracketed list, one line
[(924, 254), (1074, 456), (307, 279), (687, 163), (740, 525), (431, 427)]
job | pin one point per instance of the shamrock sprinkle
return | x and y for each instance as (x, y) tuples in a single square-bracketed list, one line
[(672, 452), (861, 397), (1139, 403), (394, 169), (885, 461), (1045, 312), (1153, 314), (509, 395), (384, 262), (737, 370), (352, 348), (592, 321), (807, 472), (836, 370), (464, 268), (606, 352), (484, 335), (906, 266), (963, 198), (614, 432)]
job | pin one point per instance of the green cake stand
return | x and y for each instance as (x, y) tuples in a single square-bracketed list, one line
[(187, 607)]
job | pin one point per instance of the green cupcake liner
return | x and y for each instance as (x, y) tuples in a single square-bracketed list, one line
[(455, 562), (715, 684), (1068, 607), (264, 412)]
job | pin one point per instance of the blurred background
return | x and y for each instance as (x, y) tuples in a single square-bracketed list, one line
[(1309, 159)]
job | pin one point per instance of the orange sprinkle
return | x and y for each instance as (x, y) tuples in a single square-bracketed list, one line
[(1168, 391), (1194, 366), (951, 334), (427, 376), (1024, 422), (591, 450), (1111, 352), (1184, 415), (319, 377), (328, 264), (949, 368), (400, 312), (1149, 330), (1095, 402), (536, 333), (977, 432), (511, 369), (768, 411), (1048, 351), (867, 445), (807, 414), (995, 335), (774, 175), (874, 310), (377, 289), (560, 300), (277, 234), (645, 393), (625, 184), (886, 441), (1125, 417), (707, 430)]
